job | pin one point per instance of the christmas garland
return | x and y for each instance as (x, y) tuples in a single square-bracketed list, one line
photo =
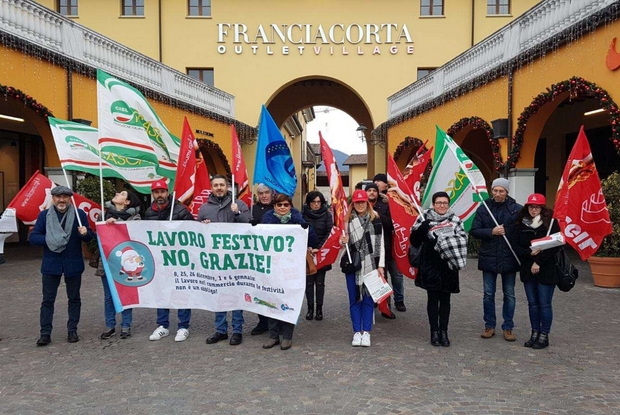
[(577, 87), (408, 142), (29, 102), (479, 123), (210, 147)]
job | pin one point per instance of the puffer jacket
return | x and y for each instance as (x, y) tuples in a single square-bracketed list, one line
[(180, 212), (545, 259), (495, 255), (296, 219)]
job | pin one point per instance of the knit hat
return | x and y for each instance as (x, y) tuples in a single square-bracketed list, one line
[(501, 182), (359, 196), (536, 199), (382, 177), (372, 186), (61, 190)]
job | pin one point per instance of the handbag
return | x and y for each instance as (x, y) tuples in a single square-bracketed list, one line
[(310, 265), (566, 272), (351, 267)]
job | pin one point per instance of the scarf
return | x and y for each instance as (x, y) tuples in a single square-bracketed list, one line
[(113, 212), (314, 214), (450, 236), (283, 218), (58, 231), (534, 222), (362, 236)]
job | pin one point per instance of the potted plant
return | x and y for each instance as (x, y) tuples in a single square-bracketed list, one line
[(605, 264), (90, 188)]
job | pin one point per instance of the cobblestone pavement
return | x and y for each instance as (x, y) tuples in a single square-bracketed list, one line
[(401, 373)]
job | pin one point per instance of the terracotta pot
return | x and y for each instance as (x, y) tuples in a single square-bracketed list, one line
[(605, 271)]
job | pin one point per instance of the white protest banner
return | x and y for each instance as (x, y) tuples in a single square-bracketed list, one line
[(215, 267), (8, 221)]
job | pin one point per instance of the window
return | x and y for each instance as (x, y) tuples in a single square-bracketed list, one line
[(133, 8), (199, 8), (431, 7), (68, 7), (202, 74), (498, 7), (422, 72)]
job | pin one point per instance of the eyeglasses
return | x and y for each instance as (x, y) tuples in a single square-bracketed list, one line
[(283, 204), (442, 203), (534, 206)]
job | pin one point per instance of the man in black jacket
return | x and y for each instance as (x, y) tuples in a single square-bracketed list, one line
[(160, 210)]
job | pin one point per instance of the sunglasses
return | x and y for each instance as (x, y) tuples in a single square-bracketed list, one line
[(283, 204)]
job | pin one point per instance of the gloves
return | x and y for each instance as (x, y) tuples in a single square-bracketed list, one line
[(425, 226), (304, 225), (254, 222)]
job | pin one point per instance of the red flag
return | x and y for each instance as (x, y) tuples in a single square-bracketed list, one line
[(328, 253), (192, 185), (580, 206), (404, 213), (418, 167), (339, 198), (240, 172), (36, 196)]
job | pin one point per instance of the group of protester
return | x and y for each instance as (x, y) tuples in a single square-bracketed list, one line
[(438, 238)]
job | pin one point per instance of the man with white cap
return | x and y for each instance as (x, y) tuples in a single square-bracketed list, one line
[(495, 255), (59, 232)]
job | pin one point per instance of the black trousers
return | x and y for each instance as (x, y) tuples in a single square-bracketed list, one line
[(50, 289), (438, 308), (277, 328), (317, 280)]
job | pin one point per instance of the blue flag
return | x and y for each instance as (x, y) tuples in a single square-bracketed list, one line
[(274, 165)]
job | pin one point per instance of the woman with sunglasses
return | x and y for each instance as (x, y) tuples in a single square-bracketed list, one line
[(283, 213), (364, 235), (442, 241), (537, 267), (316, 214)]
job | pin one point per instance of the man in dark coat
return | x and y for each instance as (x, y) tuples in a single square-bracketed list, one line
[(160, 210), (495, 255), (58, 231)]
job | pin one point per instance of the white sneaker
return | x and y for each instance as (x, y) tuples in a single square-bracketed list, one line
[(357, 339), (366, 339), (159, 333), (182, 335)]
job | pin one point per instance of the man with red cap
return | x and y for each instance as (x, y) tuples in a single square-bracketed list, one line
[(160, 210)]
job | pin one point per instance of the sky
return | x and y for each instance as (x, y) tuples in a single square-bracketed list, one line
[(337, 128)]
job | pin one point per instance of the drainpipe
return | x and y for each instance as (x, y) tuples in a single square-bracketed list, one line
[(69, 94), (509, 138), (160, 35), (473, 19)]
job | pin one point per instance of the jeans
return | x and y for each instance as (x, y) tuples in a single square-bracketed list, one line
[(277, 328), (362, 311), (221, 322), (539, 299), (438, 309), (508, 288), (110, 312), (183, 314), (50, 290), (317, 279), (398, 281)]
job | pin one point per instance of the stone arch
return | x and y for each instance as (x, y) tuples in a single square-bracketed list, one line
[(214, 157)]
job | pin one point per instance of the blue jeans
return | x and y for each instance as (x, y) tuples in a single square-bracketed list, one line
[(398, 281), (508, 288), (221, 322), (183, 314), (50, 290), (362, 311), (110, 312), (539, 299)]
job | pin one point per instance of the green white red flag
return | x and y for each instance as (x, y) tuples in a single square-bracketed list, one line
[(454, 173), (580, 206)]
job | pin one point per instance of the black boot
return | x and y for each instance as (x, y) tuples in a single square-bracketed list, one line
[(310, 313), (542, 341), (443, 338), (532, 340), (319, 312), (435, 338)]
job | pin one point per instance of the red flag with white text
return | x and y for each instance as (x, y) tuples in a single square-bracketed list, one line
[(192, 185), (417, 168), (404, 213), (580, 206), (240, 172), (338, 201), (36, 196)]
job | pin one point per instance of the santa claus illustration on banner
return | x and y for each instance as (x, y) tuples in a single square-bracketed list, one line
[(132, 263)]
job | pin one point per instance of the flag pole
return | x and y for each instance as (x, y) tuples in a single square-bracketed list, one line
[(72, 198), (172, 203)]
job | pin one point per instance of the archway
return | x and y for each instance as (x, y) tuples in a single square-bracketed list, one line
[(214, 157), (475, 136)]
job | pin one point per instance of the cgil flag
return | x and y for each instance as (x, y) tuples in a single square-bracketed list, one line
[(339, 203), (416, 168), (192, 185), (454, 173), (78, 150), (240, 172), (580, 206), (129, 127), (274, 164)]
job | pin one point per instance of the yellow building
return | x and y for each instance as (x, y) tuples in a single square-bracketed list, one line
[(543, 76)]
